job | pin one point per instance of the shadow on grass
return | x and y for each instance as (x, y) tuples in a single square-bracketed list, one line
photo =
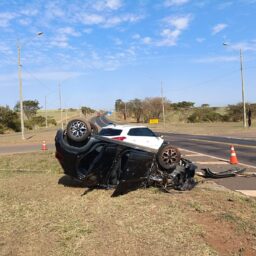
[(70, 182)]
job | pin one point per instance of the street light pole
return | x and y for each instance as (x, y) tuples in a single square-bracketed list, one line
[(20, 88), (21, 96), (242, 82), (46, 121), (60, 107)]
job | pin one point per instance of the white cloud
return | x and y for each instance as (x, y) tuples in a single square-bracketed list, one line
[(68, 31), (6, 18), (5, 49), (217, 59), (87, 30), (116, 20), (61, 41), (200, 39), (175, 2), (25, 22), (29, 12), (107, 4), (179, 23), (113, 4), (110, 21), (218, 28), (92, 19), (175, 27), (147, 40)]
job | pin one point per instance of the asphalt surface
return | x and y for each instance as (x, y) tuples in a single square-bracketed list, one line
[(15, 149), (216, 146)]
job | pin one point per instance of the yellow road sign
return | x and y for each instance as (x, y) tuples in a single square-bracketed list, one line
[(153, 121)]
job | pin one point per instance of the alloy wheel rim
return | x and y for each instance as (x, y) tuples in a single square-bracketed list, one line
[(78, 129), (170, 156)]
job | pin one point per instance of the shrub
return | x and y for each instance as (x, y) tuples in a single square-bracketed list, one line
[(205, 115)]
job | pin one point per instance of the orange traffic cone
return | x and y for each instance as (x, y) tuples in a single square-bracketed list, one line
[(44, 147), (233, 158)]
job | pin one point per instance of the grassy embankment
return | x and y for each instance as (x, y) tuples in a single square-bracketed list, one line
[(38, 216)]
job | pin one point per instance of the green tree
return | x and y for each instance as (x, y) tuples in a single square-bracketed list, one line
[(8, 120), (182, 104), (205, 115), (87, 110), (30, 108), (121, 107), (136, 108)]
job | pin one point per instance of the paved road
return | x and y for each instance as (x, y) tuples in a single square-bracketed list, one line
[(13, 149), (216, 146)]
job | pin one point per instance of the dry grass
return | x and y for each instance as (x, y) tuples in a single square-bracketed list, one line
[(43, 162), (32, 137), (56, 114), (38, 216)]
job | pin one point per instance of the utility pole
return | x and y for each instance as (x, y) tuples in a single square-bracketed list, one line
[(21, 96), (20, 88), (66, 114), (60, 108), (242, 81), (163, 102), (125, 110), (46, 121)]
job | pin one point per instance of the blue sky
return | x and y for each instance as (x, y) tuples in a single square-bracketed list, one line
[(103, 50)]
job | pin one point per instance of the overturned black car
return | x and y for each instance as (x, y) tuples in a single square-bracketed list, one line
[(100, 162)]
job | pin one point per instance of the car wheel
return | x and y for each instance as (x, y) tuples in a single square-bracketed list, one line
[(94, 128), (78, 130), (168, 157)]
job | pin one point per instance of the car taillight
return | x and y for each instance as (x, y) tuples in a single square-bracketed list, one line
[(119, 138)]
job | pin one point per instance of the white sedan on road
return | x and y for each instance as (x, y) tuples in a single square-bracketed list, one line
[(138, 135)]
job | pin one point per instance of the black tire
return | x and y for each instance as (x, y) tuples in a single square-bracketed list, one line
[(94, 128), (78, 130), (168, 157)]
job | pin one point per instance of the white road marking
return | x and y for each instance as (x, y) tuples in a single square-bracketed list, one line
[(248, 192), (246, 165), (224, 143), (192, 154), (220, 162)]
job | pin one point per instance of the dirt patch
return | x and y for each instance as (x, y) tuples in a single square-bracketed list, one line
[(223, 237)]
